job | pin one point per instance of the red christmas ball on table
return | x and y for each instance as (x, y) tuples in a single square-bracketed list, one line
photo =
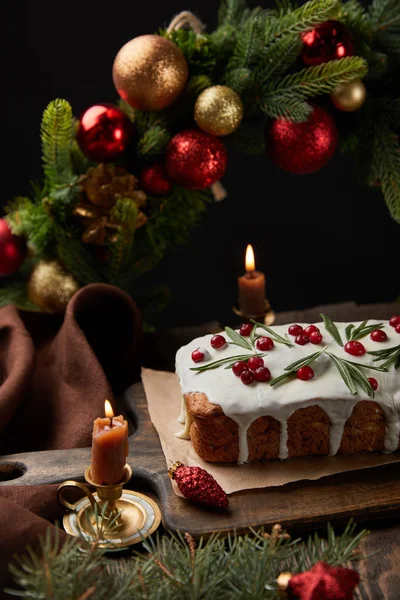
[(303, 147), (196, 159), (12, 250), (198, 485), (104, 132), (154, 180), (328, 41)]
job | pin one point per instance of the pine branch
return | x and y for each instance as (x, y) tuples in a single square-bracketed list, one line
[(197, 49), (75, 257), (173, 567), (153, 142), (232, 12), (119, 253), (32, 221), (249, 44), (313, 81), (57, 133), (305, 17), (357, 19), (386, 165)]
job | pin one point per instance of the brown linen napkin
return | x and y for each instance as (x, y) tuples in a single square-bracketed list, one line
[(55, 375)]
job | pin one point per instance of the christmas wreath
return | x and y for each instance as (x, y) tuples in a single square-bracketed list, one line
[(127, 181)]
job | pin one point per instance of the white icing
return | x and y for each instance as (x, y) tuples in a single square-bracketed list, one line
[(182, 414), (243, 404)]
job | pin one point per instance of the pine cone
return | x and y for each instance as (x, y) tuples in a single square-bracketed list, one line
[(104, 184)]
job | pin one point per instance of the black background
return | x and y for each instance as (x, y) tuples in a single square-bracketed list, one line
[(320, 238)]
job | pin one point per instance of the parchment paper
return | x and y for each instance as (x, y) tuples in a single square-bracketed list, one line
[(164, 400)]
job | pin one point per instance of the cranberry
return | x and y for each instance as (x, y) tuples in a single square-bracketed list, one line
[(246, 329), (255, 362), (397, 328), (302, 339), (394, 321), (247, 377), (264, 343), (315, 337), (310, 329), (199, 355), (218, 341), (295, 329), (373, 382), (377, 335), (262, 374), (238, 367), (355, 348), (305, 373)]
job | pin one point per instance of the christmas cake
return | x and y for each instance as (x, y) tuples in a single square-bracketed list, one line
[(285, 391)]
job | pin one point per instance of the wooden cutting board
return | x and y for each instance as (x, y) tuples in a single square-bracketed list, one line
[(363, 495)]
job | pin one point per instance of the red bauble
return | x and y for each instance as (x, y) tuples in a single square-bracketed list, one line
[(305, 373), (218, 341), (328, 41), (104, 132), (195, 159), (355, 348), (154, 180), (12, 250), (324, 582), (303, 147), (198, 485)]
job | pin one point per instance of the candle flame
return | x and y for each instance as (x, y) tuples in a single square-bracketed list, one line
[(108, 409), (249, 261)]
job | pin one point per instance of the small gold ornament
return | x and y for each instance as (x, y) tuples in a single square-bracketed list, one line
[(150, 72), (103, 185), (283, 583), (218, 110), (349, 96), (50, 286)]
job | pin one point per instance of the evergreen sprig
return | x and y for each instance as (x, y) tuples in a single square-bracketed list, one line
[(57, 131), (176, 567)]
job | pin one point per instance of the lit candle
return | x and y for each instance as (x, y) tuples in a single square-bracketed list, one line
[(252, 299), (109, 448)]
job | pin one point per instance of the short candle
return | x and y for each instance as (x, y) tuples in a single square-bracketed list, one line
[(109, 448), (252, 298)]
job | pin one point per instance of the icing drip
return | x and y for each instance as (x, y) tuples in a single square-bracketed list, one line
[(184, 434), (182, 414), (244, 404)]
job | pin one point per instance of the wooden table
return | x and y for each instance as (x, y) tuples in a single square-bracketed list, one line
[(380, 572)]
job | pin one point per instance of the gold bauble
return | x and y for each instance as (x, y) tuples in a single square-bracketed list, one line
[(283, 583), (218, 110), (150, 72), (349, 96), (50, 286)]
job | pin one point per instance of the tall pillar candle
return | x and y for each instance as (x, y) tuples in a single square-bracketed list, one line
[(109, 448), (252, 298)]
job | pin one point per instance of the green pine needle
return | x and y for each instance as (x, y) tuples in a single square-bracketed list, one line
[(57, 130)]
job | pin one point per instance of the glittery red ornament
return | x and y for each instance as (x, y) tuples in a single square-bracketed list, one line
[(328, 41), (198, 486), (154, 180), (303, 147), (104, 132), (12, 250), (196, 159), (323, 582)]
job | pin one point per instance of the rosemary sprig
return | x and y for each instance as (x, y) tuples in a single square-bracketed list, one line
[(275, 336), (332, 329), (347, 332), (223, 361), (237, 339), (294, 367), (391, 356), (362, 330), (353, 375)]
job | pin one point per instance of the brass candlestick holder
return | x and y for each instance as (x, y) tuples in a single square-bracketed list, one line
[(267, 316), (112, 516)]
